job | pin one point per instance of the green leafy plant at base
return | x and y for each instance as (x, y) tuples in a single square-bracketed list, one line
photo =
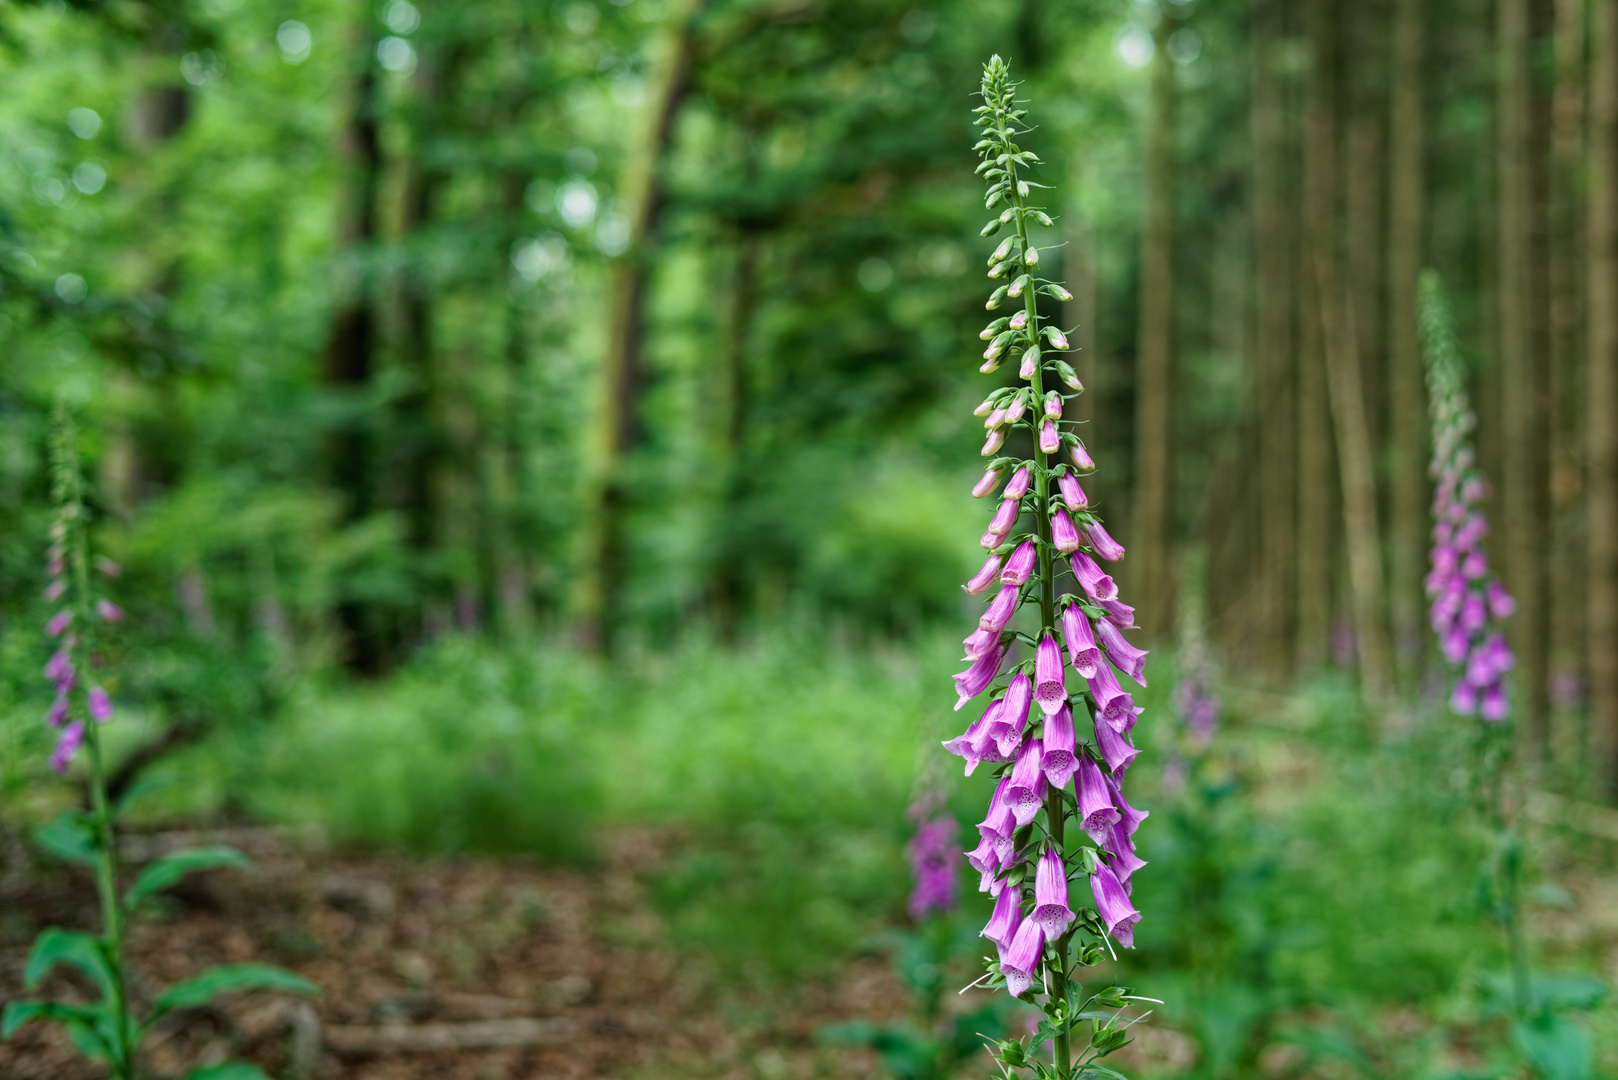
[(109, 1029)]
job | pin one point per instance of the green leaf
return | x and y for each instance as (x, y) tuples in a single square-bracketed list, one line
[(81, 1021), (230, 1070), (167, 871), (58, 946), (229, 978), (70, 837), (1555, 1046)]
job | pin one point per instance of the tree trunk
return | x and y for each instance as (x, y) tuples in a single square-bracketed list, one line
[(1522, 368), (1601, 419), (1154, 373), (615, 429), (1342, 361), (351, 337), (1273, 347), (726, 584), (1407, 456)]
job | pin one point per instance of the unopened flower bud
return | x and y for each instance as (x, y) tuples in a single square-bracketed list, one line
[(1057, 339), (1014, 410), (995, 419), (997, 439), (100, 705), (985, 577), (995, 298), (54, 591), (1049, 440), (1021, 564), (986, 483), (985, 408), (1018, 487), (109, 611), (1103, 543), (988, 367), (1053, 405), (59, 622), (1019, 320), (1081, 458), (1031, 256), (1029, 359), (1005, 516), (1063, 533), (108, 567), (1003, 250), (1016, 288), (1073, 496)]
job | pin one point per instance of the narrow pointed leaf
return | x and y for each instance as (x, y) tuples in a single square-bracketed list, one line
[(171, 868), (58, 946), (229, 978)]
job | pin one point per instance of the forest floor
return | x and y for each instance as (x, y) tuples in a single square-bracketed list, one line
[(451, 968)]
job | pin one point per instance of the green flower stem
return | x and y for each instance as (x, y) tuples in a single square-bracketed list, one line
[(106, 865), (1055, 975)]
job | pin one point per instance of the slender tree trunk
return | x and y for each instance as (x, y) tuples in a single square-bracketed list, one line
[(1154, 377), (1343, 378), (726, 582), (1407, 496), (615, 429), (1522, 368), (1316, 487), (1273, 346), (1601, 417), (351, 448)]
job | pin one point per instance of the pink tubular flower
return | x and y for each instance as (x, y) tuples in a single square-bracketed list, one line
[(56, 716), (1049, 441), (1102, 542), (1112, 903), (108, 567), (1096, 812), (1494, 706), (1050, 690), (986, 483), (1096, 584), (109, 611), (976, 679), (1081, 642), (1014, 410), (1020, 565), (1073, 496), (1000, 610), (979, 642), (1018, 487), (1124, 656), (1123, 861), (67, 747), (1005, 516), (985, 577), (1119, 613), (1117, 707), (54, 591), (1026, 792), (992, 445), (1008, 728), (1063, 533), (1019, 962), (1002, 925), (100, 705), (1116, 749), (1081, 458), (1059, 746), (1050, 896), (59, 622), (1053, 406)]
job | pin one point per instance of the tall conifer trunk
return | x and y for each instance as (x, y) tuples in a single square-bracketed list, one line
[(1601, 417), (1154, 379), (1407, 495), (1340, 351), (1523, 370), (615, 429), (1273, 344)]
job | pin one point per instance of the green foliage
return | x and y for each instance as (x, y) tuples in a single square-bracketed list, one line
[(168, 870)]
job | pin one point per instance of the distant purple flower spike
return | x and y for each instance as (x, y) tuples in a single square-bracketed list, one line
[(1050, 689), (1059, 744), (109, 611), (67, 747), (1501, 604), (1096, 584), (1112, 904), (1073, 496), (1082, 650), (59, 622), (1463, 700), (1064, 534), (1096, 812), (1026, 792), (1019, 963), (976, 679), (60, 663), (54, 591), (57, 714), (985, 577), (1020, 565), (1103, 543), (932, 862), (1124, 656), (108, 567), (100, 705), (1494, 706), (1051, 911), (1019, 484)]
